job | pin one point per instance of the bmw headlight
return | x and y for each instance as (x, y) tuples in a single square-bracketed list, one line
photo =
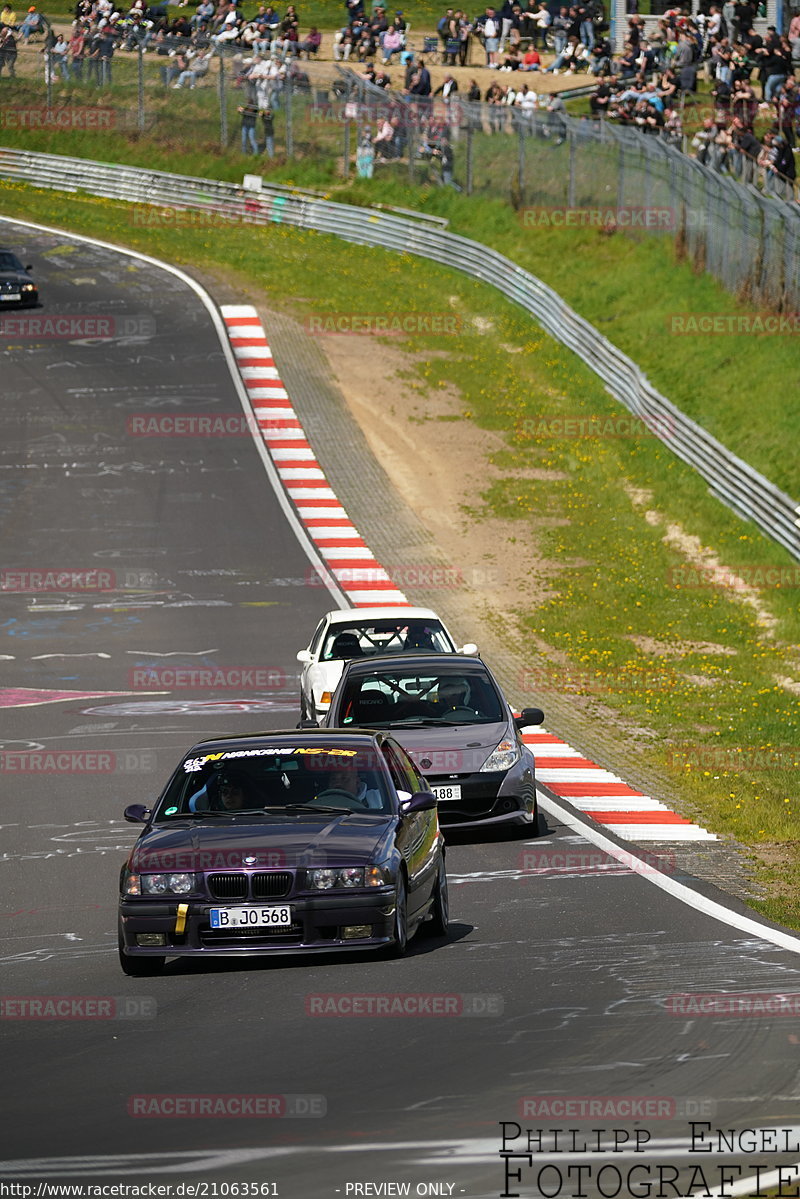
[(28, 287), (346, 877), (159, 884), (502, 758)]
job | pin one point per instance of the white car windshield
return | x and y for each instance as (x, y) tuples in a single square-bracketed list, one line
[(366, 639)]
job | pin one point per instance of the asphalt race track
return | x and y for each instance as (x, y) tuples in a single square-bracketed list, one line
[(556, 984)]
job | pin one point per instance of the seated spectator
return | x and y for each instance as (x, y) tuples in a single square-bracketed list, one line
[(573, 57), (392, 42), (311, 44), (34, 22), (342, 45), (600, 102), (199, 66), (204, 12), (600, 58), (531, 60)]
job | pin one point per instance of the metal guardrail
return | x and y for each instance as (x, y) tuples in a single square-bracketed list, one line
[(731, 479)]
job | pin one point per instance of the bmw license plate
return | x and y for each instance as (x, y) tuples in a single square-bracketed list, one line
[(10, 295), (278, 916), (452, 791)]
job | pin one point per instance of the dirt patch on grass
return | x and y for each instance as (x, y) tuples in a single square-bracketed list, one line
[(439, 460), (714, 572), (678, 649)]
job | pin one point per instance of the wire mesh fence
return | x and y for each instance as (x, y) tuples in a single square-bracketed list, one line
[(553, 169)]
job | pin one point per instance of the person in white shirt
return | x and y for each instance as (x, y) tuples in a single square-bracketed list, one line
[(491, 34)]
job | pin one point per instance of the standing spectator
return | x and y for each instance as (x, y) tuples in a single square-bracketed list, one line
[(421, 82), (249, 113), (542, 20), (491, 30), (555, 121), (586, 31), (77, 49), (106, 47), (561, 28), (506, 18), (465, 29), (365, 155), (444, 153), (58, 57), (268, 123), (8, 51)]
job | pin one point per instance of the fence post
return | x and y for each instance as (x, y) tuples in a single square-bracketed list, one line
[(140, 78), (223, 103), (346, 149), (621, 178), (571, 185), (48, 78), (521, 164), (469, 153), (289, 127)]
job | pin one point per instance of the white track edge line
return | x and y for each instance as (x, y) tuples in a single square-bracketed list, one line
[(693, 899)]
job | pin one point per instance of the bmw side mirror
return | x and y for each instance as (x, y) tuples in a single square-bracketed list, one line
[(469, 650), (308, 724), (420, 801), (304, 656), (29, 267), (529, 716), (136, 813)]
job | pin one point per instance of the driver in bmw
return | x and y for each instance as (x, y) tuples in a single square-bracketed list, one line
[(346, 778)]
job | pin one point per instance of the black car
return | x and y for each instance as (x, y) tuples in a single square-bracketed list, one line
[(17, 289), (284, 843), (451, 716)]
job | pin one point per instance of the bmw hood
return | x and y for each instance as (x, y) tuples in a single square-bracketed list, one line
[(219, 843)]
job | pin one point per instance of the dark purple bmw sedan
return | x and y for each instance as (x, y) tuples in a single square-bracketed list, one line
[(312, 840)]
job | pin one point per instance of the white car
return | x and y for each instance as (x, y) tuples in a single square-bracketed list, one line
[(361, 633)]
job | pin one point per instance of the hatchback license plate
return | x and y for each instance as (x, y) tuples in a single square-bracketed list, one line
[(450, 792), (279, 916)]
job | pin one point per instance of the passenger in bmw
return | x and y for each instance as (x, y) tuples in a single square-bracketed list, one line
[(230, 791)]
